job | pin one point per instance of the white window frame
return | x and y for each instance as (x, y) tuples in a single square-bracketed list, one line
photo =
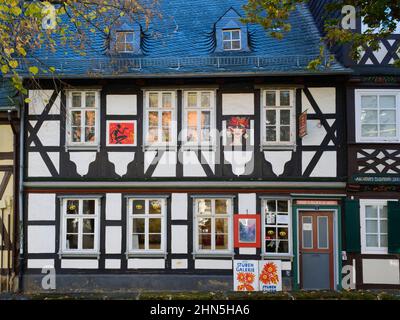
[(146, 216), (199, 109), (230, 31), (82, 144), (160, 109), (292, 108), (264, 225), (229, 251), (63, 231), (364, 248), (361, 92), (125, 32)]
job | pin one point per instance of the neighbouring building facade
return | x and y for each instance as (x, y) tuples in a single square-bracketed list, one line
[(139, 164)]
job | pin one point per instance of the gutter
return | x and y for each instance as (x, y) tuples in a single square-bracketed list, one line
[(21, 193)]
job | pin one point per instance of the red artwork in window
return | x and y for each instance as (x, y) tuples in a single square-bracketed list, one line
[(247, 231), (121, 133)]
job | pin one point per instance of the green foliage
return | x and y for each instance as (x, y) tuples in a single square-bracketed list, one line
[(383, 15)]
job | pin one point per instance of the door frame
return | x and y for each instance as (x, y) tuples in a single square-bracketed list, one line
[(337, 245)]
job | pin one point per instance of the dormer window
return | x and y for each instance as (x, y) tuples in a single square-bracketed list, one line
[(231, 39), (125, 41)]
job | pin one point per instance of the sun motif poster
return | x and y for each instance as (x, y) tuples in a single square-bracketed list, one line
[(245, 275), (121, 133), (270, 275)]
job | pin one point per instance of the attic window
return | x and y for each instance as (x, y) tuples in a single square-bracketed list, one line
[(231, 39), (125, 41)]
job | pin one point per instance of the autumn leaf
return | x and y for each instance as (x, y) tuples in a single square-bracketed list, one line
[(34, 70)]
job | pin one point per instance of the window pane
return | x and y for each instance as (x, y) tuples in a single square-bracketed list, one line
[(120, 46), (87, 241), (387, 101), (76, 118), (90, 118), (283, 247), (383, 226), (153, 119), (204, 206), (192, 134), (205, 119), (221, 225), (270, 233), (138, 225), (192, 119), (227, 45), (138, 207), (76, 100), (383, 241), (372, 240), (90, 134), (166, 119), (369, 102), (371, 226), (204, 225), (72, 225), (72, 241), (387, 117), (283, 206), (285, 98), (155, 225), (369, 116), (166, 135), (226, 35), (90, 100), (285, 117), (368, 130), (285, 133), (72, 207), (155, 207), (271, 205), (129, 36), (323, 233), (128, 47), (271, 116), (88, 226), (282, 234), (271, 134), (205, 135), (235, 34), (221, 242), (221, 206), (138, 241), (153, 100), (383, 212), (236, 44), (88, 207), (76, 134), (270, 98), (307, 232), (192, 99), (205, 100), (371, 211), (270, 246), (167, 100), (155, 241), (387, 130), (205, 241)]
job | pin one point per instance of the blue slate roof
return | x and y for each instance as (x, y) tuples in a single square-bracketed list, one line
[(7, 95), (182, 43)]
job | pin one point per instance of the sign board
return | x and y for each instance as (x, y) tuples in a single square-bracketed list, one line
[(317, 202), (245, 275), (270, 275), (303, 124), (377, 179)]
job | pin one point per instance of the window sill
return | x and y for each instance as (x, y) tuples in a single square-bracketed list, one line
[(160, 147), (277, 256), (79, 254), (213, 255), (278, 147), (82, 147), (195, 147), (146, 254), (378, 141)]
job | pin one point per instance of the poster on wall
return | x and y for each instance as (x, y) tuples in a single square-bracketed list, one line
[(121, 133), (237, 131), (245, 275), (270, 275), (303, 124), (247, 231)]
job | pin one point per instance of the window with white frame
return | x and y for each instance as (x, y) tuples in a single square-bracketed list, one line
[(160, 118), (213, 225), (83, 118), (374, 226), (377, 115), (278, 117), (199, 117), (146, 226), (125, 41), (231, 39), (80, 225), (276, 227)]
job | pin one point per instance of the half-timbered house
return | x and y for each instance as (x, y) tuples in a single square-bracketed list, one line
[(141, 156)]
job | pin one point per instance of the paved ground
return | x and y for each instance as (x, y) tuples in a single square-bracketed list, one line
[(299, 295)]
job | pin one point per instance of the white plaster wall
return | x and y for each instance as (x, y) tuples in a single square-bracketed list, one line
[(238, 104), (179, 239), (39, 99), (179, 264), (79, 264), (113, 206), (146, 264), (247, 203), (121, 104), (179, 206), (49, 133), (191, 165), (381, 271), (41, 207), (38, 168), (121, 160), (113, 239), (247, 251), (41, 239), (324, 97), (40, 263), (166, 166), (113, 264), (326, 166), (212, 264), (278, 160), (82, 161)]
